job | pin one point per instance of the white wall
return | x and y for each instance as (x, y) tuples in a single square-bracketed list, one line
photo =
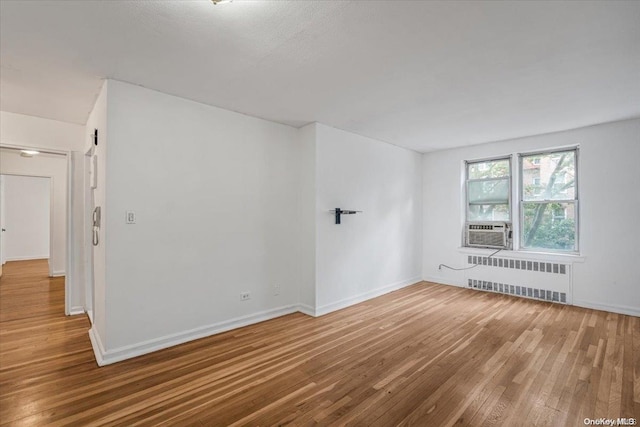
[(29, 131), (97, 120), (215, 194), (45, 165), (609, 205), (306, 218), (27, 205), (227, 203), (378, 250)]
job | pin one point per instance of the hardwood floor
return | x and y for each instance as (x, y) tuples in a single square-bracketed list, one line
[(425, 355)]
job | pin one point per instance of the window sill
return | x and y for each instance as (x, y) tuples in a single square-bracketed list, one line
[(538, 256)]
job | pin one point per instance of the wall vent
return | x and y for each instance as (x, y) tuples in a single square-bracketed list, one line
[(518, 264), (516, 290)]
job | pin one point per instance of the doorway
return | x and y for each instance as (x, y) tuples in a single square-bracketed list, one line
[(54, 168), (26, 218)]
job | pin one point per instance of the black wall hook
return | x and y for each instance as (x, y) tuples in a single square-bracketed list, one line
[(338, 212)]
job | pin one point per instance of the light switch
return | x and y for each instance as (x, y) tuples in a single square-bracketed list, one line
[(131, 217)]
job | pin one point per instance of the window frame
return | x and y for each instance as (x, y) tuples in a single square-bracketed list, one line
[(575, 200), (467, 164), (516, 193)]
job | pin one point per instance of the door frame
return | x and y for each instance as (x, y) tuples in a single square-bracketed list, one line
[(2, 215), (88, 206), (70, 262)]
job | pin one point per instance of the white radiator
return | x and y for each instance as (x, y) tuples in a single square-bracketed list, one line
[(548, 281)]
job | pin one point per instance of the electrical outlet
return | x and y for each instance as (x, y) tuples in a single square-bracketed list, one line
[(276, 289), (130, 217), (245, 296)]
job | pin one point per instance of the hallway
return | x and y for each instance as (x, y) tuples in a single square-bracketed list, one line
[(38, 343), (28, 292)]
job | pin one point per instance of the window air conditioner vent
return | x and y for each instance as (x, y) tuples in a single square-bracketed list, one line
[(488, 235)]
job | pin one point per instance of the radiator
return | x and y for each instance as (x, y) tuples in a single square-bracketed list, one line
[(541, 280)]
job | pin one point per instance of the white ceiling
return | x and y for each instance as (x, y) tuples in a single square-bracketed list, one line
[(423, 75)]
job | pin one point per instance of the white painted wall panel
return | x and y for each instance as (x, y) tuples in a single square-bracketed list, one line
[(30, 131), (215, 195), (380, 249)]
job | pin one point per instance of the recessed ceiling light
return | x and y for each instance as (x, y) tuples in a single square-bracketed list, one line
[(28, 153), (221, 1)]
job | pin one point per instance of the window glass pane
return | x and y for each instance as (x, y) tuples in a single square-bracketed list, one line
[(489, 212), (493, 191), (489, 169), (549, 226), (549, 176)]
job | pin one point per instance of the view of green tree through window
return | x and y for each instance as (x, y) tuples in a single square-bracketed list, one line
[(548, 201)]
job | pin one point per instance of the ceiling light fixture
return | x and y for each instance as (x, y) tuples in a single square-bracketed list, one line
[(221, 1), (28, 153)]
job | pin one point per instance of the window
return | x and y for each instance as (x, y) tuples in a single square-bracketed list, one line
[(547, 198), (548, 205), (488, 190)]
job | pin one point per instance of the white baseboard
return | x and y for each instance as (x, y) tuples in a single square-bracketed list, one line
[(620, 309), (98, 348), (60, 273), (26, 258), (307, 309), (442, 281), (126, 352), (107, 357), (346, 302), (75, 310)]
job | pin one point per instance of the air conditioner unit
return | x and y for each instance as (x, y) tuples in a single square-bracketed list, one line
[(495, 235)]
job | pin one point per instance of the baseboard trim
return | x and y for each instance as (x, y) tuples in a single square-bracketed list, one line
[(60, 273), (78, 309), (620, 309), (307, 309), (26, 258), (96, 344), (442, 281), (127, 352), (356, 299)]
